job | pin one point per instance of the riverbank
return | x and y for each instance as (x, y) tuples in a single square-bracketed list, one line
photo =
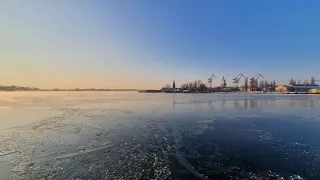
[(235, 92)]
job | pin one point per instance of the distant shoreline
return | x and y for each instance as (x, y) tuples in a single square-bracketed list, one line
[(63, 90), (226, 93), (21, 88)]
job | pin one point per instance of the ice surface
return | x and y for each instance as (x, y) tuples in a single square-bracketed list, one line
[(128, 135)]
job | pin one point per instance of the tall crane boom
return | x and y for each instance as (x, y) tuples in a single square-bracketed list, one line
[(257, 76), (237, 79), (239, 76)]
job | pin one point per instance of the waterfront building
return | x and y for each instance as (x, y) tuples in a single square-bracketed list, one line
[(301, 87)]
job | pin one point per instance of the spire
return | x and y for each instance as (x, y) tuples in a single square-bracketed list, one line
[(174, 84)]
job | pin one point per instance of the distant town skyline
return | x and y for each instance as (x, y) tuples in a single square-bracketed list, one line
[(119, 44)]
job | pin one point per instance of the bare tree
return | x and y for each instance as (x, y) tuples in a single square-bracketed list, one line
[(184, 86), (210, 81), (266, 85), (195, 86), (202, 87), (199, 83), (292, 82), (252, 84), (273, 85), (246, 84), (223, 83), (260, 85)]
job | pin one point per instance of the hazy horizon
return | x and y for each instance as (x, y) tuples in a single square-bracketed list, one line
[(141, 44)]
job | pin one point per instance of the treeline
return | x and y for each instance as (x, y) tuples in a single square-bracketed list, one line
[(196, 86), (77, 89), (20, 88), (305, 82), (255, 85), (199, 86)]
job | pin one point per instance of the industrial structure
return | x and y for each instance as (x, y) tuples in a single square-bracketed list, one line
[(237, 79), (223, 84), (254, 86), (210, 79), (249, 85), (301, 88), (254, 82)]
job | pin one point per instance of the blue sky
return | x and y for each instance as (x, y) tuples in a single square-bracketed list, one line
[(146, 44)]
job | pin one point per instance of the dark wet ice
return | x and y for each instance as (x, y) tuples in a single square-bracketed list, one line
[(128, 135)]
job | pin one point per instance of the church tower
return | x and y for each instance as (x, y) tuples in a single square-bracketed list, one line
[(174, 84)]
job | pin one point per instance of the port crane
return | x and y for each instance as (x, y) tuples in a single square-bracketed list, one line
[(210, 80), (237, 79), (257, 76), (254, 80)]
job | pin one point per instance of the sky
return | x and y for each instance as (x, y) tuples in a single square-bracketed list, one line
[(146, 44)]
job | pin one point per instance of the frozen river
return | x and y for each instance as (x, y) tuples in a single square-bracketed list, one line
[(129, 135)]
